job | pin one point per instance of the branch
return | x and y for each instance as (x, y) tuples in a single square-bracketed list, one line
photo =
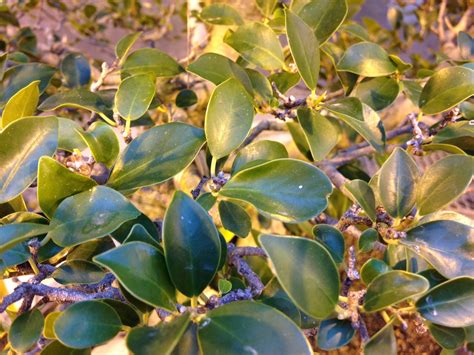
[(266, 125), (235, 255)]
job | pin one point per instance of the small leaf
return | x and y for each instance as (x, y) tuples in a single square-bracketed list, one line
[(12, 234), (466, 45), (392, 288), (450, 303), (383, 342), (446, 245), (229, 117), (250, 327), (191, 243), (257, 153), (234, 218), (398, 180), (76, 98), (448, 338), (284, 80), (138, 233), (86, 324), (56, 182), (304, 48), (134, 96), (447, 88), (378, 93), (266, 7), (258, 44), (331, 238), (173, 146), (88, 215), (224, 286), (373, 268), (70, 137), (22, 144), (360, 192), (439, 185), (161, 339), (321, 135), (412, 90), (152, 283), (125, 44), (367, 240), (286, 189), (76, 70), (151, 61), (313, 281), (186, 98), (366, 59), (26, 330), (334, 333), (262, 89), (78, 272), (48, 330), (22, 104), (221, 14)]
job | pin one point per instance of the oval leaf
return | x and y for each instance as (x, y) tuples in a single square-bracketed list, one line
[(360, 192), (22, 104), (257, 153), (26, 330), (12, 234), (383, 342), (378, 93), (234, 218), (134, 96), (151, 61), (78, 272), (76, 70), (123, 46), (334, 333), (221, 14), (332, 239), (373, 268)]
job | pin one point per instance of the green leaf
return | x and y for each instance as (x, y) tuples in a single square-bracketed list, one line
[(373, 268), (174, 146), (398, 181), (361, 118), (221, 14), (258, 44), (152, 284), (90, 214), (234, 218), (446, 245), (250, 327), (257, 153), (378, 93), (3, 63), (286, 189), (78, 272), (262, 89), (361, 193), (48, 330), (22, 104), (446, 88), (284, 80), (191, 243), (366, 59), (266, 7), (321, 135), (334, 333), (76, 98), (383, 342), (367, 240), (186, 98), (127, 312), (460, 134), (392, 288), (86, 324), (134, 96), (449, 304), (125, 44), (448, 338), (304, 48), (22, 144), (162, 339), (313, 281), (466, 45), (224, 286), (324, 16), (138, 233), (76, 70), (331, 238), (229, 117), (26, 330), (55, 348), (412, 90), (103, 143), (439, 185), (151, 61), (70, 137), (56, 182), (299, 138)]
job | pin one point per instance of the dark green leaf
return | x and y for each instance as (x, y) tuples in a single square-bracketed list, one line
[(138, 233), (234, 218), (284, 80), (383, 342), (123, 46), (78, 272), (127, 313), (257, 153), (134, 96), (151, 61), (334, 333), (221, 14), (367, 240), (103, 143), (70, 137), (262, 88), (378, 93), (448, 338), (373, 268), (12, 234), (332, 239), (76, 70), (26, 330), (76, 98), (22, 104), (360, 192), (56, 348), (186, 98)]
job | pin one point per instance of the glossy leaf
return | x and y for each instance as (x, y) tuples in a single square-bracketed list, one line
[(55, 348), (22, 104), (48, 330), (312, 282), (399, 175), (284, 80), (70, 137), (447, 88), (161, 339), (90, 214), (186, 98), (360, 192), (221, 14), (373, 268), (78, 272), (86, 324), (443, 182), (75, 98), (127, 313), (257, 153), (392, 288), (383, 342), (262, 88), (450, 303), (103, 143), (26, 330), (125, 44), (378, 93), (242, 327), (156, 156), (151, 61), (152, 284), (448, 338), (286, 189), (367, 240), (332, 239), (229, 117), (258, 44), (334, 333), (324, 16), (266, 7), (138, 233), (304, 48), (366, 59), (56, 182), (134, 96), (76, 70), (22, 144), (191, 243), (12, 234), (321, 135), (234, 218), (446, 245)]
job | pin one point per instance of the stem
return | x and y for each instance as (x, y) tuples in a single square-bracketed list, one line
[(343, 299), (194, 302), (385, 316), (127, 127), (408, 260), (45, 240), (213, 166), (108, 120), (33, 265)]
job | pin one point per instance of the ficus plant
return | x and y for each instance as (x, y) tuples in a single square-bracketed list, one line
[(272, 250)]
